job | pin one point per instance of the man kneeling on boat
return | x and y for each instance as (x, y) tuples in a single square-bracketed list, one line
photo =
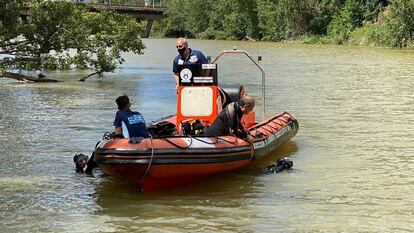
[(228, 121), (129, 123)]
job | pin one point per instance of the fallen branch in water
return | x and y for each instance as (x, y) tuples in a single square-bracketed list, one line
[(99, 73), (25, 78)]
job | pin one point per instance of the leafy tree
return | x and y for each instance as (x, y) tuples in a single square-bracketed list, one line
[(212, 19), (345, 21), (176, 22), (61, 35), (248, 10), (397, 28), (283, 19), (371, 9), (271, 23), (321, 15), (326, 21), (228, 20), (199, 15)]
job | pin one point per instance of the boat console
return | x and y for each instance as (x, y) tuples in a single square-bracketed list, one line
[(200, 99), (197, 94)]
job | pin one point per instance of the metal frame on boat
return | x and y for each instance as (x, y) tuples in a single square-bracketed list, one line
[(236, 51)]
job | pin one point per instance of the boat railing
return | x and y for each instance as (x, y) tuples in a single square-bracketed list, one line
[(236, 51)]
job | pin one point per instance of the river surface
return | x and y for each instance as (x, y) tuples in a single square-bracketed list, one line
[(353, 155)]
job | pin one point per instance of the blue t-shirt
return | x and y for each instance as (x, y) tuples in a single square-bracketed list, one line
[(195, 57), (132, 124)]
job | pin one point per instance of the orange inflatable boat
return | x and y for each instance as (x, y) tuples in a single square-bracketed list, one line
[(176, 153)]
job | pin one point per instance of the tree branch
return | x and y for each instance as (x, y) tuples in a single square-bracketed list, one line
[(20, 59), (14, 52), (25, 78), (4, 44), (89, 75)]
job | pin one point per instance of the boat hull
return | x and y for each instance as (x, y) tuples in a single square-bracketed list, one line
[(161, 162), (276, 130)]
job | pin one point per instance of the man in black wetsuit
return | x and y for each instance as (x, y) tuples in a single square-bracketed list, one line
[(228, 120)]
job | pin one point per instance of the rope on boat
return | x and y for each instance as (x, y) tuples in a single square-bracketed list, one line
[(269, 131), (176, 145), (150, 162), (210, 143), (284, 120), (217, 140), (269, 125), (224, 140), (198, 139), (277, 123)]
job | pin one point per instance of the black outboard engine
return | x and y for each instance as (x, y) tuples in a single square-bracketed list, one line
[(282, 164)]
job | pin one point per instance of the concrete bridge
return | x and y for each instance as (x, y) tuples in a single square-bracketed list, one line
[(148, 10)]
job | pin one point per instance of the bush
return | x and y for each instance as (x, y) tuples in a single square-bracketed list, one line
[(315, 39), (397, 28), (364, 35), (345, 21)]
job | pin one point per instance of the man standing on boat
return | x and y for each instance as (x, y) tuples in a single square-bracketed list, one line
[(129, 123), (229, 119), (186, 56)]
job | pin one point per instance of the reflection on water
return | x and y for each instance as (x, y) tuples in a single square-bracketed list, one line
[(212, 205), (353, 155)]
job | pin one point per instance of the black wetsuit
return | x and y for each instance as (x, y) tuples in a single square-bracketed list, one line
[(227, 122)]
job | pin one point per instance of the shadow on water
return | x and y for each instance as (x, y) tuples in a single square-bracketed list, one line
[(214, 204)]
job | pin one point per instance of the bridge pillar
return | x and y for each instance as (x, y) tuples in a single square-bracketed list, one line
[(147, 31)]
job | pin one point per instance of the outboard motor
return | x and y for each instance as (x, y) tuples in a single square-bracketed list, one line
[(282, 164)]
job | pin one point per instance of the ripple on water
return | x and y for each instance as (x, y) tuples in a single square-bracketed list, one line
[(353, 163)]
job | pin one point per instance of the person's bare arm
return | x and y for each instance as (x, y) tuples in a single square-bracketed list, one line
[(176, 80)]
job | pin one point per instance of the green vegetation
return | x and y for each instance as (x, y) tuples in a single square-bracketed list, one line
[(387, 23), (51, 35)]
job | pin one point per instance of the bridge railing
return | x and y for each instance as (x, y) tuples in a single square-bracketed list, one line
[(138, 3)]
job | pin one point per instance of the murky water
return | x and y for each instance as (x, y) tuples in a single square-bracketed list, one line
[(353, 156)]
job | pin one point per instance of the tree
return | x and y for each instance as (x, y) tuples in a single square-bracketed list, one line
[(283, 19), (38, 35), (175, 24), (397, 28), (372, 8), (345, 21), (209, 19)]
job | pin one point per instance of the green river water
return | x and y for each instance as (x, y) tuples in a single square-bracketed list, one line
[(353, 155)]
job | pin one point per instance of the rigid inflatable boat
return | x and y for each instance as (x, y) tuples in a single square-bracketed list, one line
[(176, 153)]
